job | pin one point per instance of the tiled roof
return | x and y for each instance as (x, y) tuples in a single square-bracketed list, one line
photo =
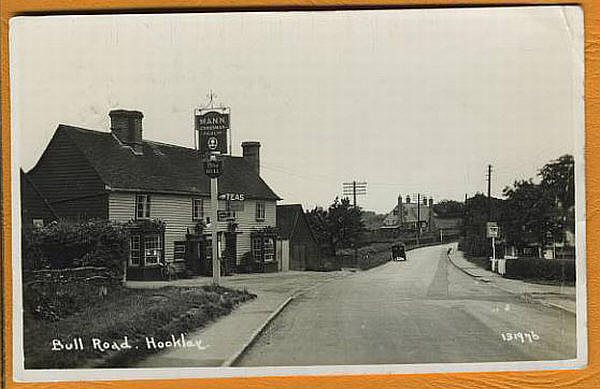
[(162, 167), (287, 218)]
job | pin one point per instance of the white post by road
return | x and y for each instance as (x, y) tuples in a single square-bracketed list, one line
[(493, 248), (214, 203)]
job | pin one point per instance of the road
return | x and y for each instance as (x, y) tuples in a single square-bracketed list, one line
[(423, 310)]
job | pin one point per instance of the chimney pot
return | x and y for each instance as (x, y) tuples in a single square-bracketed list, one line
[(251, 153)]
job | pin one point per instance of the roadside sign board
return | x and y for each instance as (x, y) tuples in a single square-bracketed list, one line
[(212, 125), (492, 230), (213, 168)]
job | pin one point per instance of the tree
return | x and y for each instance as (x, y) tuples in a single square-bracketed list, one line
[(318, 221), (558, 180), (528, 208), (339, 226), (449, 208), (539, 213), (346, 224)]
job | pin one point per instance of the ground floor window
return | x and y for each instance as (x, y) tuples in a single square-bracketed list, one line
[(269, 249), (263, 248), (146, 249), (179, 251)]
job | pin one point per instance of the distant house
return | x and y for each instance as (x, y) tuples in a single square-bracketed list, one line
[(410, 215), (163, 190), (297, 237)]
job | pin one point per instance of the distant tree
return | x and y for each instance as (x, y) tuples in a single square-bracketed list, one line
[(539, 213), (558, 180), (339, 226), (372, 220), (319, 223), (476, 216), (449, 208), (346, 223), (527, 213)]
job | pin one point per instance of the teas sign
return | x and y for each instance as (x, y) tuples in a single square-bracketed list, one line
[(232, 196), (235, 201), (212, 126)]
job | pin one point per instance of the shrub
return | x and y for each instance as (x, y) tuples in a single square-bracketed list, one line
[(66, 244), (562, 270)]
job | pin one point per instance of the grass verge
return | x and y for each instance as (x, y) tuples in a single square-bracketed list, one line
[(132, 313)]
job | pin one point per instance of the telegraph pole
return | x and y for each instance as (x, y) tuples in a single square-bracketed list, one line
[(489, 182), (354, 189)]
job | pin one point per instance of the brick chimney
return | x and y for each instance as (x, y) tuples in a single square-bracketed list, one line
[(127, 127), (251, 153), (430, 222), (400, 211)]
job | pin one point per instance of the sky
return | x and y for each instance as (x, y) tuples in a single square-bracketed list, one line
[(410, 101)]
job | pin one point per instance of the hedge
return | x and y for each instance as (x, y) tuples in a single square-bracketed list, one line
[(541, 269), (68, 244)]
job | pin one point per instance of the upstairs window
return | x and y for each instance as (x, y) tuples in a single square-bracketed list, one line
[(142, 206), (197, 209), (260, 211)]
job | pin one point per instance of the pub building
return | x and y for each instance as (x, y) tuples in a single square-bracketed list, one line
[(162, 191)]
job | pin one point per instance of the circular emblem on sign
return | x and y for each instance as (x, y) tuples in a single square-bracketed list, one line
[(213, 143)]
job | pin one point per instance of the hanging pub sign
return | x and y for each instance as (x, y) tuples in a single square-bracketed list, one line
[(213, 168), (212, 125)]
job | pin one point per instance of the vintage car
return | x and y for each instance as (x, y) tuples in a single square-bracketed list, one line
[(399, 252)]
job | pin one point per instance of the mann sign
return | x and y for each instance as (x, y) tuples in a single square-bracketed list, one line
[(212, 125)]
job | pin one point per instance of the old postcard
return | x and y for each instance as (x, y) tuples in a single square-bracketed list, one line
[(298, 193)]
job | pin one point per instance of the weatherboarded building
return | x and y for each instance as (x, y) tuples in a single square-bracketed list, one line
[(299, 246), (162, 190)]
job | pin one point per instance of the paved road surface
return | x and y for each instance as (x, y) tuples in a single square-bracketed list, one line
[(423, 310)]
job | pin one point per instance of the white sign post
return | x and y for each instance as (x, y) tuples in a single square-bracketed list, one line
[(492, 232), (213, 168)]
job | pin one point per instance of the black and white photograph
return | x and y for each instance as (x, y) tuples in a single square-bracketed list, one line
[(374, 191)]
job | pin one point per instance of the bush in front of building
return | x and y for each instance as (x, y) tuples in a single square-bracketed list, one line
[(561, 270), (70, 244)]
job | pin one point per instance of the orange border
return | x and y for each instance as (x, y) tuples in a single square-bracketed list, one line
[(585, 378)]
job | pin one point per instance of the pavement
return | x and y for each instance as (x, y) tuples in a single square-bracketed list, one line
[(557, 296), (424, 310), (224, 340)]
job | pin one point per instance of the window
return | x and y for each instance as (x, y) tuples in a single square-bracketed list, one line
[(197, 209), (269, 249), (152, 249), (135, 252), (257, 248), (260, 211), (179, 251), (142, 206)]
